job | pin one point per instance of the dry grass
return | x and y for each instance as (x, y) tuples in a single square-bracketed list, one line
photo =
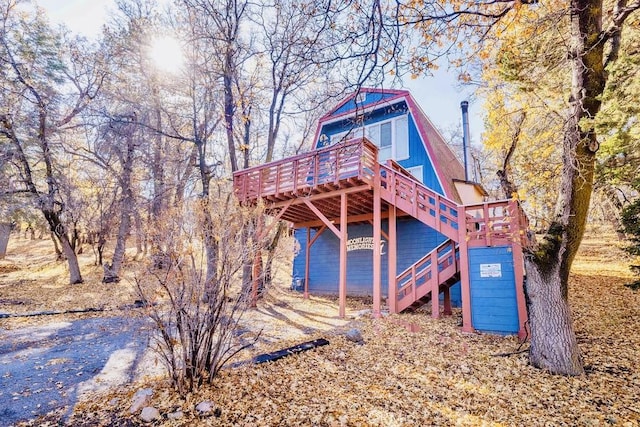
[(435, 376)]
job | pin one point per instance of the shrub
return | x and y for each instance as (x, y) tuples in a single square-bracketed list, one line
[(197, 315)]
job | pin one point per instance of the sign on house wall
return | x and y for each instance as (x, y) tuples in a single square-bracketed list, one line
[(363, 243), (490, 270)]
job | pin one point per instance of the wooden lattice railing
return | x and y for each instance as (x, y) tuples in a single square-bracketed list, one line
[(496, 223), (420, 202), (352, 159), (485, 224), (427, 274)]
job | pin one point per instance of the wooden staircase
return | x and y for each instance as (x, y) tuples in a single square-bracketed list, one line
[(400, 189), (423, 281), (485, 224), (438, 270)]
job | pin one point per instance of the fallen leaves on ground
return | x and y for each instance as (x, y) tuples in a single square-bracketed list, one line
[(434, 376)]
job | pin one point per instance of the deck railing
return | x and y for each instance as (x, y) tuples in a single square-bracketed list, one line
[(496, 223), (423, 276), (419, 201), (355, 158)]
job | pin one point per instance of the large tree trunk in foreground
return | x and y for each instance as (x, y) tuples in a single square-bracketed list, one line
[(553, 342)]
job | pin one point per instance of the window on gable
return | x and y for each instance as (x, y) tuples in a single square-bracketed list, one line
[(402, 138), (417, 172), (385, 135), (391, 137)]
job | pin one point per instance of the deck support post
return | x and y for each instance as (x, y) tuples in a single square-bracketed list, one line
[(447, 301), (435, 286), (392, 292), (307, 254), (518, 267), (377, 240), (465, 285), (342, 293)]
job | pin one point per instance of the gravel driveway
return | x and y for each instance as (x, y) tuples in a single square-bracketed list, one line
[(49, 367)]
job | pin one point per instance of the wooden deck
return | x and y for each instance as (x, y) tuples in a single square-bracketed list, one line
[(320, 176)]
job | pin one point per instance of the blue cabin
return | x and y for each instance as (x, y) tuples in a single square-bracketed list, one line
[(381, 207)]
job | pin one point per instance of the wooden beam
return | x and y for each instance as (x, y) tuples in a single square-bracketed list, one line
[(392, 293), (342, 292), (314, 197), (435, 286), (385, 235), (277, 355), (518, 268), (307, 255), (352, 218), (320, 231), (324, 219), (277, 217), (447, 301), (377, 226), (467, 323)]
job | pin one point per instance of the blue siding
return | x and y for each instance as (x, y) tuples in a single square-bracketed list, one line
[(372, 97), (493, 299), (414, 241), (418, 156), (417, 153)]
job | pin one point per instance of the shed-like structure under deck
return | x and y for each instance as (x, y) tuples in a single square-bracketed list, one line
[(329, 188)]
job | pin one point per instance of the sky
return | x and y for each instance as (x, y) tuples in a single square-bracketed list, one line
[(438, 95)]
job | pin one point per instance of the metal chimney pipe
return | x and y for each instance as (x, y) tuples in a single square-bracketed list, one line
[(466, 143)]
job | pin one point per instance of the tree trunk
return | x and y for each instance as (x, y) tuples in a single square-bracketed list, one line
[(56, 247), (72, 259), (553, 341), (267, 277), (5, 232), (140, 247), (58, 234), (112, 271), (211, 250)]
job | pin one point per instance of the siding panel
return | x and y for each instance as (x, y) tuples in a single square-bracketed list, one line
[(414, 241), (493, 299)]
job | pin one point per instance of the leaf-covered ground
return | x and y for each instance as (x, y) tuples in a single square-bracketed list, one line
[(435, 375)]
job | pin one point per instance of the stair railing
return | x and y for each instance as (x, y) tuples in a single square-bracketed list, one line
[(421, 277)]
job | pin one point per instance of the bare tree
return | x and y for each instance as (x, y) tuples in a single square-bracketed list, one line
[(195, 339), (47, 80)]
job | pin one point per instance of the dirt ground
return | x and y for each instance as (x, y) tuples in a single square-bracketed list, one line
[(431, 375)]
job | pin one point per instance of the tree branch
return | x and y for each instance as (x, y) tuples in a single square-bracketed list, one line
[(621, 12)]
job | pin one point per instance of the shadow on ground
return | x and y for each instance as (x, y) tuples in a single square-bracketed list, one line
[(43, 368)]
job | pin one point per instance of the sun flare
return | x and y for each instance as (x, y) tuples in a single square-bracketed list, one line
[(166, 54)]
